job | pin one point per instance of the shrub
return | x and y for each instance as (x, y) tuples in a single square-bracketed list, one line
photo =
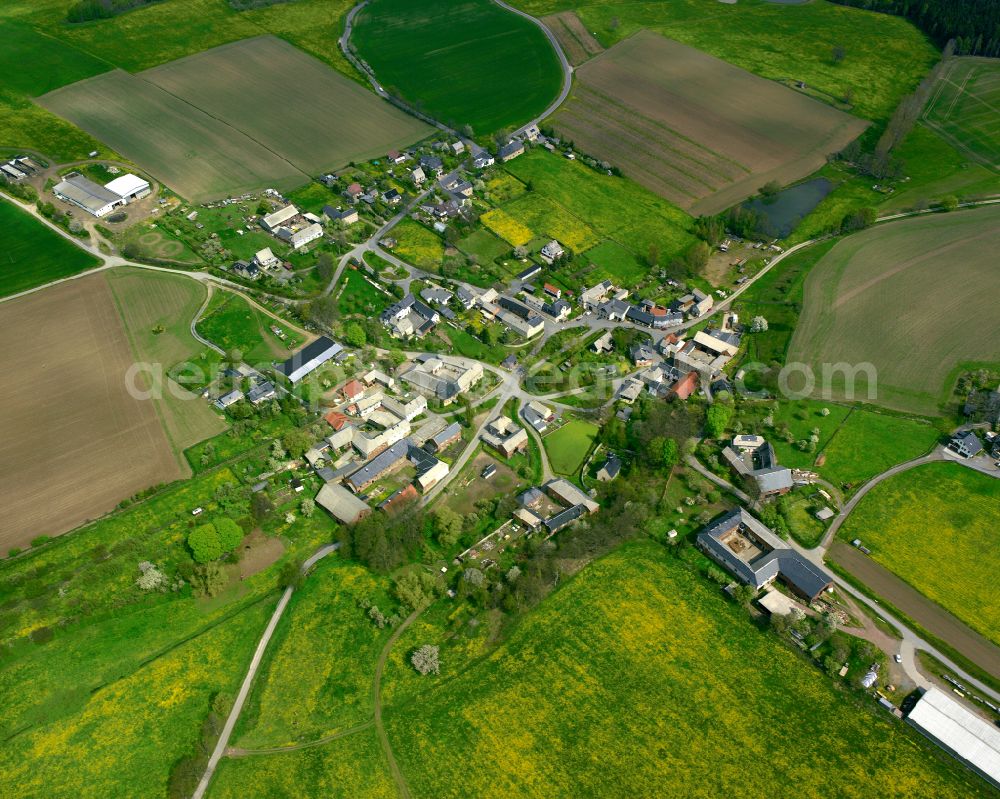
[(42, 539)]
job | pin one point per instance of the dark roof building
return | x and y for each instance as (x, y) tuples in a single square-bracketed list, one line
[(309, 358), (966, 443), (756, 556), (565, 518), (385, 461)]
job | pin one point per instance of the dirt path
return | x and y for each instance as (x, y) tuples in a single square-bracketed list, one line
[(933, 618), (235, 751), (397, 774)]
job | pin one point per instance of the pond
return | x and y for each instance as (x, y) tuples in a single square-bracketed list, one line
[(784, 210)]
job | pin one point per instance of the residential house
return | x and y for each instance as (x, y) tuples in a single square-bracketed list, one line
[(352, 390), (756, 556), (261, 393), (966, 444), (435, 295), (595, 295), (458, 147), (347, 216), (368, 445), (552, 251), (266, 259), (610, 469), (630, 390), (604, 343), (642, 355), (376, 376), (759, 463), (230, 398), (505, 436), (552, 291), (409, 318), (511, 150), (246, 269), (538, 415), (353, 192), (417, 176), (558, 310), (441, 379), (483, 160), (431, 163), (408, 409), (441, 441), (395, 157)]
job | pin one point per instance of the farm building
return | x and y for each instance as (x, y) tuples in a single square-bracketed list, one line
[(383, 463), (756, 556), (960, 732), (309, 359), (511, 150), (566, 493), (341, 503), (92, 197), (129, 187), (274, 220), (445, 438), (409, 410), (505, 436)]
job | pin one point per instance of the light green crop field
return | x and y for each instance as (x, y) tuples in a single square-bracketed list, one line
[(548, 218), (938, 527), (640, 660), (233, 324), (615, 263), (33, 254), (417, 245), (569, 445), (885, 57), (877, 301), (963, 108), (157, 309), (196, 123), (614, 207), (465, 63), (318, 675)]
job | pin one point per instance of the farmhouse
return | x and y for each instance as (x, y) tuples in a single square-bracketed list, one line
[(756, 556), (759, 462), (91, 197), (960, 732), (409, 410), (538, 415), (346, 216), (441, 441), (566, 493), (292, 227), (387, 461), (341, 503), (511, 150), (409, 318), (441, 379), (309, 359), (505, 436), (610, 469), (369, 445)]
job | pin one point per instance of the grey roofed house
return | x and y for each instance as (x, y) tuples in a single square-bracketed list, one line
[(610, 469), (966, 443), (773, 479), (483, 159), (515, 307), (341, 503), (309, 358), (378, 466), (530, 272), (261, 392), (226, 400), (436, 295), (445, 437), (511, 150), (564, 518), (756, 556), (431, 162), (84, 193), (557, 309), (347, 215), (466, 297), (531, 497)]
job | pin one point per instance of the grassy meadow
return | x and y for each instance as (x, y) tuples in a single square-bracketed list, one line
[(568, 445), (418, 245), (938, 527), (963, 108), (637, 678), (358, 296), (465, 63), (232, 323), (317, 679), (884, 57), (34, 254)]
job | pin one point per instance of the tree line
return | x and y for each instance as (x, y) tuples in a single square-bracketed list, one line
[(973, 24)]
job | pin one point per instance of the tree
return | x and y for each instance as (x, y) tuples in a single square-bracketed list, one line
[(717, 420), (355, 335), (949, 202), (323, 311), (426, 660), (520, 252), (744, 594), (296, 442), (203, 541), (449, 526), (308, 507), (208, 579), (229, 532), (671, 454), (770, 188), (416, 588), (263, 209), (758, 325), (858, 220), (290, 575), (260, 505), (151, 578)]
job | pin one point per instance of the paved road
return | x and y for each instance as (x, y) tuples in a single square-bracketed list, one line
[(194, 322), (567, 68), (241, 698)]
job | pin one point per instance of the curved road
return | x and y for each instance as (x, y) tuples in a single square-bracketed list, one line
[(258, 655)]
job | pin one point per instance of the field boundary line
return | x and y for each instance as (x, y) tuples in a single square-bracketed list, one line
[(236, 752)]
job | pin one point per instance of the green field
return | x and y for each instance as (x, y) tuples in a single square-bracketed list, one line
[(484, 245), (358, 296), (615, 263), (231, 323), (963, 108), (34, 254), (569, 445), (418, 245), (464, 63), (318, 675), (615, 208), (195, 123), (891, 268), (640, 660), (885, 57), (157, 309), (549, 219), (938, 527)]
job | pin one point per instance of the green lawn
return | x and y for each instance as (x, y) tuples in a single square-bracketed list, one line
[(465, 63), (318, 675), (938, 527), (484, 245), (884, 56), (418, 245), (569, 445), (615, 263), (34, 254), (644, 662), (614, 207), (360, 297), (231, 323)]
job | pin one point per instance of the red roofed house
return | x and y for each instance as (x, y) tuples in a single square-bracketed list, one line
[(402, 497), (685, 387), (353, 391), (337, 420), (354, 191), (552, 290)]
